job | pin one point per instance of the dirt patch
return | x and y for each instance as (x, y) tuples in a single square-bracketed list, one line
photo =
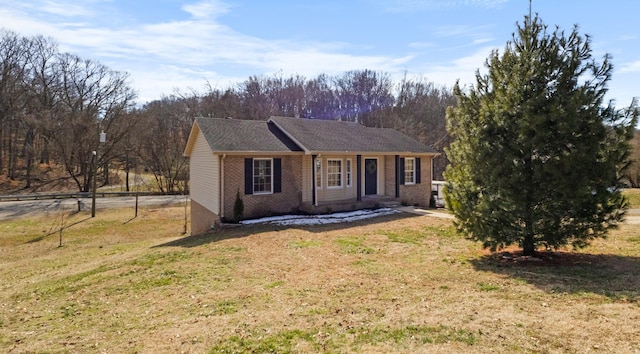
[(515, 258), (44, 178)]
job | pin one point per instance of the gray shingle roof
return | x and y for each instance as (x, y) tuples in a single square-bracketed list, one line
[(285, 134), (315, 135), (227, 135)]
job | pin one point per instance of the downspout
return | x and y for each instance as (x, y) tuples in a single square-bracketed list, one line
[(315, 193), (431, 179), (222, 186), (397, 191), (431, 173)]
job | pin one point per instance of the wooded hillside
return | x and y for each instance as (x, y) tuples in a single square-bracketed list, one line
[(54, 105)]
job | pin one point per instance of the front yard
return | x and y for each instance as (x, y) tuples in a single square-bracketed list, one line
[(397, 283)]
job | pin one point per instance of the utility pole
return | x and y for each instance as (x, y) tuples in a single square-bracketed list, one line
[(103, 138), (93, 195)]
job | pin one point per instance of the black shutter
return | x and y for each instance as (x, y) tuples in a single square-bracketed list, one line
[(402, 170), (277, 175), (248, 176), (418, 170)]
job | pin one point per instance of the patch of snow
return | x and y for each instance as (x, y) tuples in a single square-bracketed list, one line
[(350, 216)]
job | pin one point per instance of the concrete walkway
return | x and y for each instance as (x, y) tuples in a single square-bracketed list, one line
[(428, 212)]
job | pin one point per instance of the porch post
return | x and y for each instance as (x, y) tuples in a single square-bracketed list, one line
[(397, 176), (313, 180), (359, 177)]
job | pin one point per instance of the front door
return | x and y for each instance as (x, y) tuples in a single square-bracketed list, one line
[(370, 176)]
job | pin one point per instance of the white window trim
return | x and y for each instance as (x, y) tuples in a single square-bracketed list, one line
[(413, 181), (318, 173), (348, 173), (254, 175), (341, 174)]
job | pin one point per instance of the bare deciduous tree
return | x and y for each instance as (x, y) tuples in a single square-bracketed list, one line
[(93, 98)]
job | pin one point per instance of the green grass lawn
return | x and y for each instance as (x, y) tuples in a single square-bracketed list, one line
[(399, 283)]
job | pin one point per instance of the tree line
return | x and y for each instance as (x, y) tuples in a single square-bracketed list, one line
[(414, 107), (53, 106)]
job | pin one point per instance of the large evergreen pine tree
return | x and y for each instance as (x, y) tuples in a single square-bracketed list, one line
[(536, 157)]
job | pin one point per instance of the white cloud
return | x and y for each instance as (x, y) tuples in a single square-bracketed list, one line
[(421, 45), (310, 62), (627, 37), (465, 31), (207, 9), (482, 40), (59, 8), (190, 52), (462, 69), (153, 83), (633, 67), (420, 5)]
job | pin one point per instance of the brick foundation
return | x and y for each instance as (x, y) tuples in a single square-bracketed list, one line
[(202, 219)]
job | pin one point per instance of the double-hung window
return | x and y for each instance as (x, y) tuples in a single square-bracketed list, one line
[(262, 176), (334, 173), (409, 170)]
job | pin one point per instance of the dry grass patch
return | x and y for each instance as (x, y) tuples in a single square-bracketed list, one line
[(397, 283), (633, 196)]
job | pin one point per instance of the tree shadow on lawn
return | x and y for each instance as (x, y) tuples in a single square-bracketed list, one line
[(612, 276), (57, 231), (239, 231)]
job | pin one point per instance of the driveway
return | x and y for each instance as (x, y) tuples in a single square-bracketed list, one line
[(12, 210), (633, 215)]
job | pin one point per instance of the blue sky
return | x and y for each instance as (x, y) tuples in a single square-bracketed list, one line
[(184, 44)]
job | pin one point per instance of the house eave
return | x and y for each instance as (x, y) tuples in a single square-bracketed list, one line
[(256, 153), (195, 129), (321, 152), (384, 153)]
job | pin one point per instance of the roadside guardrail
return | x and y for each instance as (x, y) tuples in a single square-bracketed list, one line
[(39, 196)]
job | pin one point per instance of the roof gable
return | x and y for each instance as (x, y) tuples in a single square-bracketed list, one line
[(235, 135)]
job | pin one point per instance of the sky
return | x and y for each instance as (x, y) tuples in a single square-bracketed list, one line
[(170, 46)]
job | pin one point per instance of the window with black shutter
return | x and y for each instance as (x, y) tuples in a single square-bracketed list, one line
[(262, 175)]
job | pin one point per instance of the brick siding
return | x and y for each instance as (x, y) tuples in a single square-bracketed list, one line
[(287, 201), (418, 194)]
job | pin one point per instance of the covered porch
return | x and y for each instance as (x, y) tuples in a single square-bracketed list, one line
[(366, 202)]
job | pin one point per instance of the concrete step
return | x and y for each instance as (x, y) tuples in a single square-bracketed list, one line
[(390, 204)]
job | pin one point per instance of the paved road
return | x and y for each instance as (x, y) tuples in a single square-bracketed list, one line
[(12, 210)]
